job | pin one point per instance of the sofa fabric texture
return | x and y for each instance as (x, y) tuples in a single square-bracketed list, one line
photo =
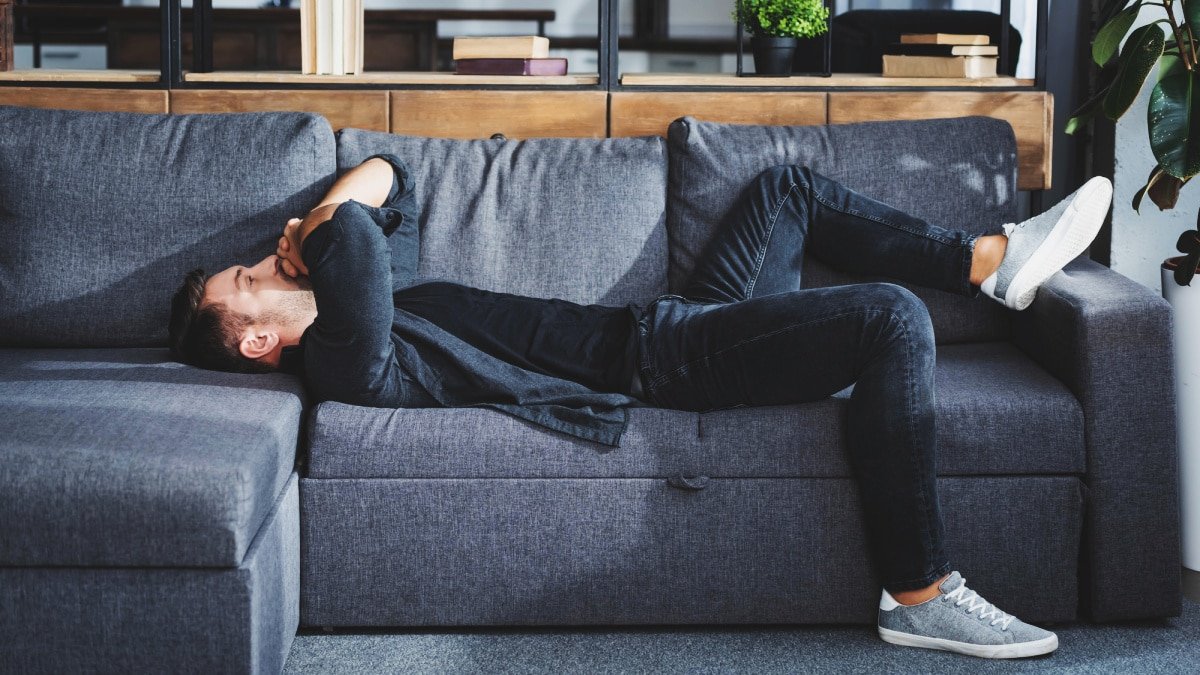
[(958, 173), (409, 552), (529, 217), (99, 228), (159, 620), (994, 406), (1109, 340), (122, 457)]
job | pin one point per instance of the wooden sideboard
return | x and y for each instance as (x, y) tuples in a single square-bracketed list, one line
[(524, 114)]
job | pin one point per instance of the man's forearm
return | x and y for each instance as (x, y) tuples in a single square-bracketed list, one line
[(368, 183)]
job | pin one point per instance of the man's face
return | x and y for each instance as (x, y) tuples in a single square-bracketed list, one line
[(260, 291)]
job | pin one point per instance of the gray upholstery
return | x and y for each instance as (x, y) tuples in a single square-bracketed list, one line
[(121, 457), (998, 413), (587, 551), (575, 218), (138, 620), (1109, 340), (147, 521), (104, 212), (958, 173)]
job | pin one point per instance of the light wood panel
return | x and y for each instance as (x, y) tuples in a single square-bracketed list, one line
[(1031, 114), (379, 77), (646, 113), (833, 81), (516, 114), (56, 75), (358, 109), (103, 100)]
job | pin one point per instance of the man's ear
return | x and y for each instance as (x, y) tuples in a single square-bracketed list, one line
[(258, 342)]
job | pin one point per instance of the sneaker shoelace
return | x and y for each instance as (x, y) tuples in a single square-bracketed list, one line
[(974, 602)]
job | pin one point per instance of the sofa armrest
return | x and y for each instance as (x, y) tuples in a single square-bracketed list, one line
[(1109, 340)]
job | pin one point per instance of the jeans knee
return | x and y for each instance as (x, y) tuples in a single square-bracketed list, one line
[(908, 312), (788, 174)]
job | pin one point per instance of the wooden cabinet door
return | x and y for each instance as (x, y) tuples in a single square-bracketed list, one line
[(516, 114)]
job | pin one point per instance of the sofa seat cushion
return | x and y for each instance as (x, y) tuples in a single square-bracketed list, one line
[(121, 457), (997, 413)]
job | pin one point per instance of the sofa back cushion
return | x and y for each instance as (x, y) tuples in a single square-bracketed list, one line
[(102, 213), (958, 173), (580, 219)]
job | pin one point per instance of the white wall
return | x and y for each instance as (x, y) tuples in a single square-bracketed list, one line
[(1141, 242)]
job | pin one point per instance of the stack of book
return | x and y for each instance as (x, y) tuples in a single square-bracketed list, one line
[(508, 55), (940, 55), (331, 37)]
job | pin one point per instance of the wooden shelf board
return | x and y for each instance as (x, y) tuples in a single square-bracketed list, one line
[(291, 77), (836, 80), (55, 75)]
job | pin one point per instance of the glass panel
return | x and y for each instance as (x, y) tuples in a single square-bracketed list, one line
[(80, 35), (698, 36), (400, 35)]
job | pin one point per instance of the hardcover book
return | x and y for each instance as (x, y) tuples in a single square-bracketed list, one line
[(943, 39), (6, 35), (508, 47), (548, 66), (941, 50), (898, 65)]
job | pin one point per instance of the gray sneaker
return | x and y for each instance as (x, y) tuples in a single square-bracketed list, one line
[(958, 620), (1044, 244)]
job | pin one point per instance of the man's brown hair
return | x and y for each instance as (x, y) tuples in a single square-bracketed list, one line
[(208, 335)]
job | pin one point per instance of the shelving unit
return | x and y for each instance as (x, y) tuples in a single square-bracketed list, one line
[(597, 104), (174, 73)]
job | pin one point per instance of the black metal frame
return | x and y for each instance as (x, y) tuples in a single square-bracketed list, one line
[(171, 76)]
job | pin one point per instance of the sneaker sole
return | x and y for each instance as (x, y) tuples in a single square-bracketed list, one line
[(1072, 234), (1009, 651)]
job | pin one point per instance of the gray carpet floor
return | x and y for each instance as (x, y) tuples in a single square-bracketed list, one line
[(1158, 646)]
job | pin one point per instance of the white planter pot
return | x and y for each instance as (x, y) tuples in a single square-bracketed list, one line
[(1185, 301)]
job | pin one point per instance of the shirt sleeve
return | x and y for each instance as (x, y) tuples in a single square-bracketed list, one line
[(348, 351), (399, 218)]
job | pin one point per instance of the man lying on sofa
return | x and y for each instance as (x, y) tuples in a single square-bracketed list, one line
[(339, 304)]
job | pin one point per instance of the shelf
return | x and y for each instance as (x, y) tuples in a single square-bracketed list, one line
[(837, 80), (53, 75), (434, 78)]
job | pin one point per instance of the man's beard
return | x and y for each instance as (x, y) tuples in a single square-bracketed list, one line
[(294, 308)]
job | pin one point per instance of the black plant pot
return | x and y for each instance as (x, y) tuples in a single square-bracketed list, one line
[(773, 55)]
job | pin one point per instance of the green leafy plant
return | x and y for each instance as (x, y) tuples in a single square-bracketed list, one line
[(783, 18), (1173, 117)]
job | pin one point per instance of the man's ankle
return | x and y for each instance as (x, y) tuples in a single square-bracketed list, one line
[(918, 595), (986, 256)]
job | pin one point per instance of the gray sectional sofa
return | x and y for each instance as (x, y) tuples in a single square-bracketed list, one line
[(159, 517)]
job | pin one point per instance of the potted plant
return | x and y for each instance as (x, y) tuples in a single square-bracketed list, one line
[(775, 26), (1172, 43)]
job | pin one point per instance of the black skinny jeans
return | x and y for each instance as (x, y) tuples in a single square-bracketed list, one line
[(744, 333)]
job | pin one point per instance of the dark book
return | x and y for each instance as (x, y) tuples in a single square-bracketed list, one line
[(907, 49), (7, 27), (510, 67)]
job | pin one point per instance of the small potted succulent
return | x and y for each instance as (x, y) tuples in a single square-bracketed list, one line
[(775, 28)]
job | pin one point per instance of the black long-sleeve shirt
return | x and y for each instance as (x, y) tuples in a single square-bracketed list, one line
[(385, 338)]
